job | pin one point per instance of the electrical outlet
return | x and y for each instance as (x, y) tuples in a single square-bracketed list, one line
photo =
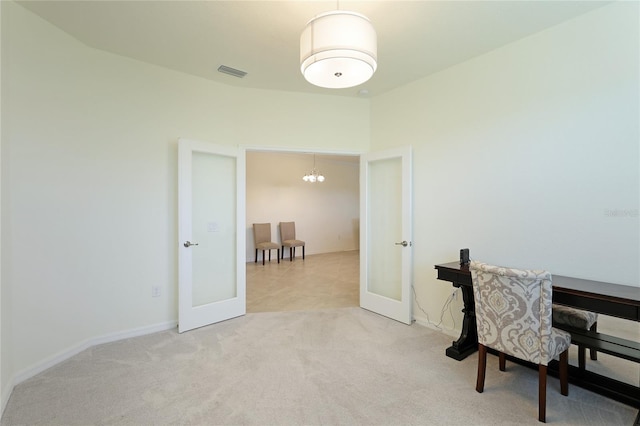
[(155, 291)]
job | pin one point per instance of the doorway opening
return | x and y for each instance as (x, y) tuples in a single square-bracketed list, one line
[(327, 218)]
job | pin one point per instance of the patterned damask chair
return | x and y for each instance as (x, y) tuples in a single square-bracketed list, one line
[(513, 316), (288, 239)]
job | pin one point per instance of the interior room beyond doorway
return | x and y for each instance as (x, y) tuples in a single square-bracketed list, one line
[(326, 217)]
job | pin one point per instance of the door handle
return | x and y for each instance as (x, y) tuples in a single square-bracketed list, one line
[(403, 244), (189, 244)]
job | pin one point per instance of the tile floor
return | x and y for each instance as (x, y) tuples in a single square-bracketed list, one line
[(321, 281)]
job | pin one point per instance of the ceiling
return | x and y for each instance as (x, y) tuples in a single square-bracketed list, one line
[(415, 38)]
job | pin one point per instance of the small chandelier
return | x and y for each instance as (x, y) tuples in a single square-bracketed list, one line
[(338, 49), (314, 175)]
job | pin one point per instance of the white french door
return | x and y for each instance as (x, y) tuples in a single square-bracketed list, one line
[(211, 233), (385, 234)]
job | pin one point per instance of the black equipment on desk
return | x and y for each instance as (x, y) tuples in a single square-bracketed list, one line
[(464, 256)]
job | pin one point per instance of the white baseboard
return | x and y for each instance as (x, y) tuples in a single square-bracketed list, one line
[(28, 373), (6, 393)]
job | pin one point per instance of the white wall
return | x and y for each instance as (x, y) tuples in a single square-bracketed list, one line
[(527, 155), (326, 214), (90, 192)]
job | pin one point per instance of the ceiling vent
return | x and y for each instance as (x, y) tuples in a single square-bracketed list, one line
[(231, 71)]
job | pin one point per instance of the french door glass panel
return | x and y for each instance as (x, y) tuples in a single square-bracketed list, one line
[(385, 222), (214, 262)]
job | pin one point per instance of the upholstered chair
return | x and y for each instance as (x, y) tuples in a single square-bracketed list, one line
[(577, 318), (513, 317), (288, 239), (262, 240)]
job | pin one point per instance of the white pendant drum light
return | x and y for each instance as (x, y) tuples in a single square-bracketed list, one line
[(338, 49)]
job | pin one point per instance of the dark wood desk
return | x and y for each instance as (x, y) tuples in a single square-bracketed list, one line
[(605, 298)]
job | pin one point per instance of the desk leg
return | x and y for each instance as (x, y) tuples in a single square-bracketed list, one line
[(468, 341)]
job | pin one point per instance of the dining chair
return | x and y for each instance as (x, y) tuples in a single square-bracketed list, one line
[(262, 240), (288, 239), (513, 317), (577, 318)]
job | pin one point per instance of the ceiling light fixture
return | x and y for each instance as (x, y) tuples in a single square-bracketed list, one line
[(314, 175), (338, 49)]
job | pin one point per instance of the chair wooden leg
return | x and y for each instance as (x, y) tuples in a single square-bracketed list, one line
[(564, 373), (542, 393), (502, 360), (482, 367), (269, 255), (256, 256), (302, 252), (290, 254), (282, 250), (278, 255), (263, 257)]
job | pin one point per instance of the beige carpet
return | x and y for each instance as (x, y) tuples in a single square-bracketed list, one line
[(342, 366)]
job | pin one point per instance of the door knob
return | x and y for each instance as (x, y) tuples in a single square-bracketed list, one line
[(403, 244), (189, 244)]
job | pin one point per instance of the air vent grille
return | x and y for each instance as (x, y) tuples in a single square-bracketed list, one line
[(231, 71)]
